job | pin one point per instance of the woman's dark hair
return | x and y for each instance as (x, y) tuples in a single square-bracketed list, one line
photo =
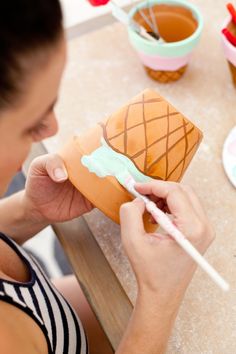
[(27, 28)]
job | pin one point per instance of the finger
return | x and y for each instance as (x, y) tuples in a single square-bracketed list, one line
[(159, 189), (51, 165), (195, 201), (162, 189), (204, 226), (182, 205), (179, 205), (131, 218), (176, 198)]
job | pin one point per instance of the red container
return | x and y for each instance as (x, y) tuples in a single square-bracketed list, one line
[(98, 2)]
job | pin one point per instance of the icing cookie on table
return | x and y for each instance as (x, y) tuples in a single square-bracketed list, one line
[(148, 135)]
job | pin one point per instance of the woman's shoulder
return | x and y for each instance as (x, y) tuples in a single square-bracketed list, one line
[(19, 333)]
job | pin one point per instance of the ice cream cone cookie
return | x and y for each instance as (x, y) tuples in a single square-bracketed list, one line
[(148, 136), (179, 24), (229, 42)]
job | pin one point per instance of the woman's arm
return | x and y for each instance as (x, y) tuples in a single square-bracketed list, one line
[(16, 220), (150, 326), (163, 270), (48, 197)]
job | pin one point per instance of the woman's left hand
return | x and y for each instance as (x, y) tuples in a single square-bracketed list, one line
[(49, 195)]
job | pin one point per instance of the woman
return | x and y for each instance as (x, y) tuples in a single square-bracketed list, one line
[(35, 318)]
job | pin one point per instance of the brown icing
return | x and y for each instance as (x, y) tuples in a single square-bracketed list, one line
[(175, 23), (152, 133)]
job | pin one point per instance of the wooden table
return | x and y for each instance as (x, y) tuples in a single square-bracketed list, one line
[(103, 72)]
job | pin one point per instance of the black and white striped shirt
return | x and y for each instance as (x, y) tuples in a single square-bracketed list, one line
[(41, 301)]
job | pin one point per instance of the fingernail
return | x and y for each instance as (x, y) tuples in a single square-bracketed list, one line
[(60, 174)]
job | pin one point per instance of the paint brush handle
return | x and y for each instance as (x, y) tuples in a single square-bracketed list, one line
[(164, 221)]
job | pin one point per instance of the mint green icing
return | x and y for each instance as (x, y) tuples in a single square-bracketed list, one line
[(104, 161)]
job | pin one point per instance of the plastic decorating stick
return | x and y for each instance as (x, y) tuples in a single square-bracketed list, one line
[(232, 11), (98, 2), (231, 38)]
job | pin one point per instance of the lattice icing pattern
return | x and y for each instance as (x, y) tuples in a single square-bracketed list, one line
[(157, 138)]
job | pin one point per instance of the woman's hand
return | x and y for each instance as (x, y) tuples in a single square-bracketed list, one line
[(160, 265), (49, 195), (163, 270)]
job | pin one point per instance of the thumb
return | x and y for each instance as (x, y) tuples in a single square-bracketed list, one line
[(51, 165), (131, 218)]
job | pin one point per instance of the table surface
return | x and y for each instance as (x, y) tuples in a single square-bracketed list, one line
[(103, 72)]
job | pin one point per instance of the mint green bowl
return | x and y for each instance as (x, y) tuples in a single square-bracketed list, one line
[(175, 49)]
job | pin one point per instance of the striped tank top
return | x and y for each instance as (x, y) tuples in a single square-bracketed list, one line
[(46, 306)]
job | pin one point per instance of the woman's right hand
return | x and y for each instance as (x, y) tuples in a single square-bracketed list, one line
[(160, 265)]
